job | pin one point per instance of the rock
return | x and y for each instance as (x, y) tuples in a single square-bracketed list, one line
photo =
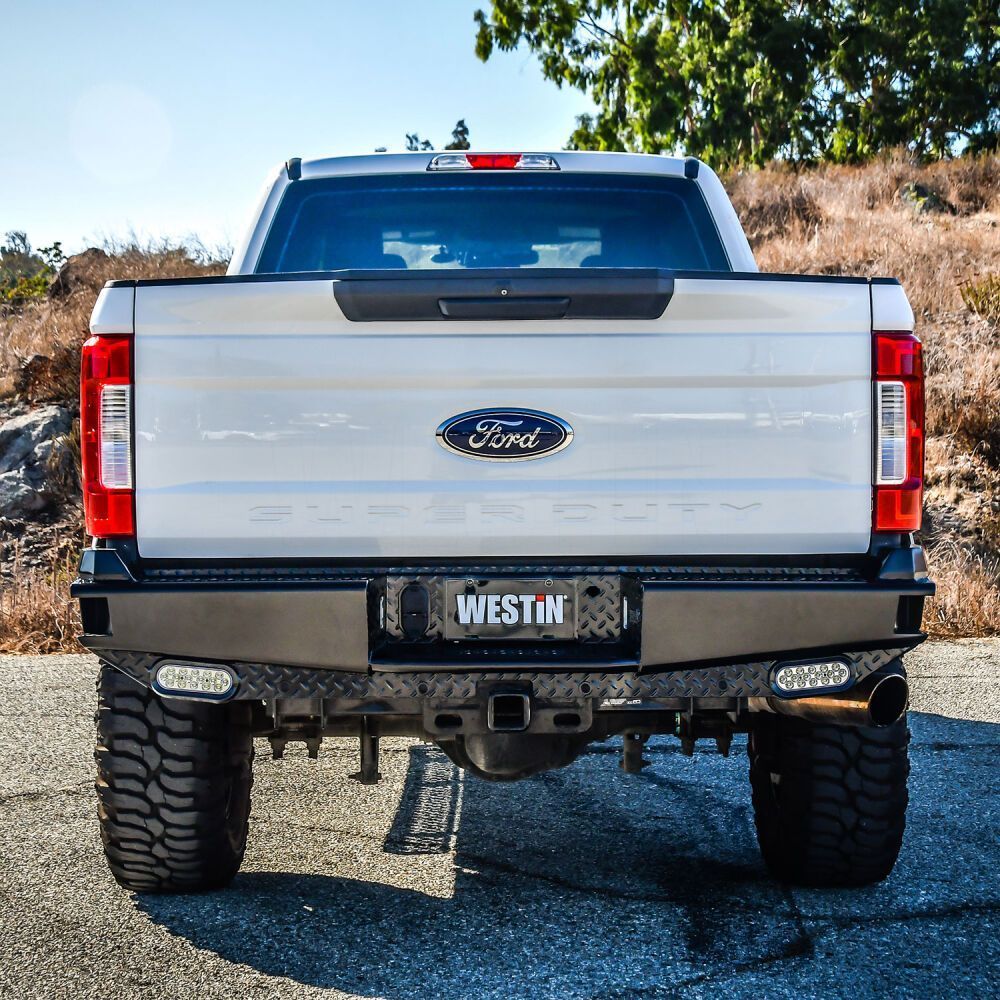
[(25, 446), (42, 452), (82, 270), (20, 493), (21, 436), (923, 200)]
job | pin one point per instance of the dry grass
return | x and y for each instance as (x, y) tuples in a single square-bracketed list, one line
[(36, 612), (854, 222), (982, 296), (963, 398), (967, 602), (41, 340)]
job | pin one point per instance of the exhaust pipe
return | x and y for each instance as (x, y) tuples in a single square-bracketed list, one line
[(879, 700)]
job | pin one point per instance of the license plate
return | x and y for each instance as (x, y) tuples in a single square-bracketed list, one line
[(510, 609)]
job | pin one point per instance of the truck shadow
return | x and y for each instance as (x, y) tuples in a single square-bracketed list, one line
[(586, 881)]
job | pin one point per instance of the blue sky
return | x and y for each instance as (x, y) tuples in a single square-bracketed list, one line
[(164, 118)]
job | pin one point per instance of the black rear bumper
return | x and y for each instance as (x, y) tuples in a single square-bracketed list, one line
[(702, 630)]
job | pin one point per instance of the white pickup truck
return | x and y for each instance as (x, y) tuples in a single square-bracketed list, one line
[(510, 453)]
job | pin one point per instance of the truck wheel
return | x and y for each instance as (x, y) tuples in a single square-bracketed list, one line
[(829, 801), (173, 786)]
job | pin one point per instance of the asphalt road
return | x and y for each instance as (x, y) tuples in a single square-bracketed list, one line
[(580, 883)]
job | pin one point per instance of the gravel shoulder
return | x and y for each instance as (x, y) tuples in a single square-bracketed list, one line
[(583, 882)]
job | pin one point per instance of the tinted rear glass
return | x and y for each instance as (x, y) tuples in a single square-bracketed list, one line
[(436, 221)]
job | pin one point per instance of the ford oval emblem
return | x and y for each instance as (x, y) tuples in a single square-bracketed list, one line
[(504, 435)]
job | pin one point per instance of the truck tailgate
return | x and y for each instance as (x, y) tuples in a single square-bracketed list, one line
[(268, 425)]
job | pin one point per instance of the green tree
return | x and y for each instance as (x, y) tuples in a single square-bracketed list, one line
[(923, 74), (459, 139), (459, 136), (25, 273), (18, 259), (415, 144), (744, 81)]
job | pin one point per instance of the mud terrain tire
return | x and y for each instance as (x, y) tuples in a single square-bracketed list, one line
[(829, 801), (173, 786)]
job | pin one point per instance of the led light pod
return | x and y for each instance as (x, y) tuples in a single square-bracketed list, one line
[(193, 680), (806, 678)]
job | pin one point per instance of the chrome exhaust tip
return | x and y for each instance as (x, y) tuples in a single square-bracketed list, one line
[(888, 699), (878, 701)]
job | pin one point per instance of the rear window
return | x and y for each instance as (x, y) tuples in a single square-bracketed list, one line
[(491, 219)]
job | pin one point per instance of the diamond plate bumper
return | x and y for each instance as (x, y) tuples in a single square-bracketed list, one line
[(261, 681)]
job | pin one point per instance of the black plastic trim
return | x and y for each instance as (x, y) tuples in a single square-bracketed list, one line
[(542, 293), (106, 564), (293, 168)]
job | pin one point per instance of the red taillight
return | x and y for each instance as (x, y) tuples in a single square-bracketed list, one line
[(106, 435), (493, 161), (899, 431)]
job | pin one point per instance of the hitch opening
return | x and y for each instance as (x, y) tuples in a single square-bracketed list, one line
[(509, 712)]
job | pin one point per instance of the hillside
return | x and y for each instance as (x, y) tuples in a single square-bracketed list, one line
[(937, 228)]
